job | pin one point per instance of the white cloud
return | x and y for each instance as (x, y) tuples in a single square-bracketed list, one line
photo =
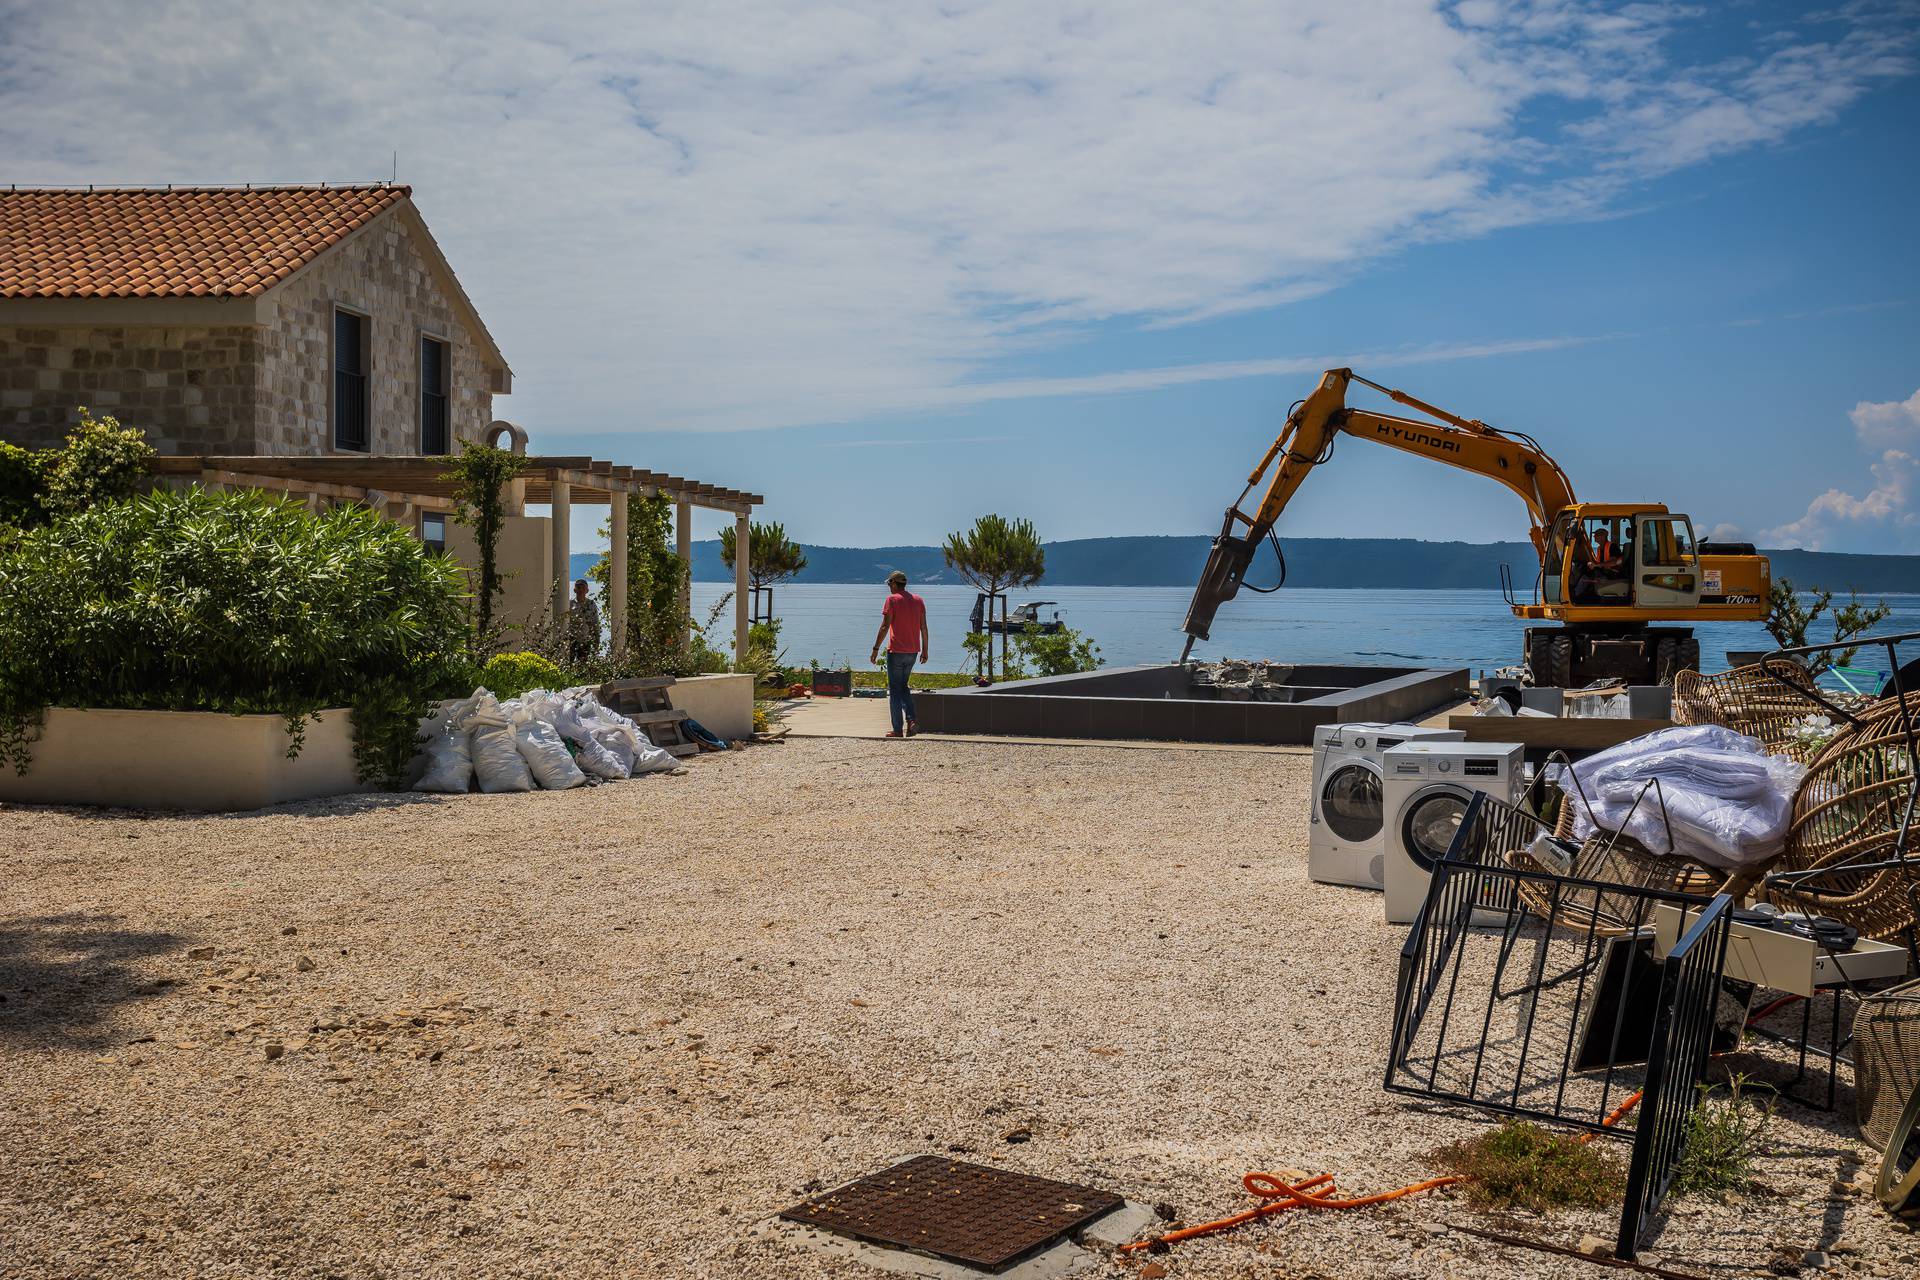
[(1892, 425), (1884, 518), (708, 216)]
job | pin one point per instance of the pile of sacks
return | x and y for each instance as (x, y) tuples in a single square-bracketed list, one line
[(551, 740), (1700, 791)]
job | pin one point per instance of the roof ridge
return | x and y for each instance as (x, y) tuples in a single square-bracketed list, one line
[(174, 188)]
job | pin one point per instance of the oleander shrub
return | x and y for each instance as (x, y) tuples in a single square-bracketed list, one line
[(240, 602)]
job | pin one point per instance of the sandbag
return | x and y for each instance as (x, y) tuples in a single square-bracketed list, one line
[(539, 742), (497, 761), (620, 735), (448, 759), (593, 757)]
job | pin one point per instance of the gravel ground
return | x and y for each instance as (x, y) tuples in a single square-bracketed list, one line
[(605, 1032)]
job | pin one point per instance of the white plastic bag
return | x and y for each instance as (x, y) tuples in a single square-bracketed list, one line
[(622, 736), (1701, 791), (449, 762), (539, 742), (593, 756), (497, 761)]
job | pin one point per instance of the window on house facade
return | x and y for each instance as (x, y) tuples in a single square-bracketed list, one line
[(436, 373), (351, 418), (433, 531)]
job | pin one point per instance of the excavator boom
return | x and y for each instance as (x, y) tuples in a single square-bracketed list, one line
[(1308, 440), (1681, 584)]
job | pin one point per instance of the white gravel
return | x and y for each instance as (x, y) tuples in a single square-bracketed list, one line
[(606, 1032)]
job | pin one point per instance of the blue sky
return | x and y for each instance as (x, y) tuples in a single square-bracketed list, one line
[(895, 265)]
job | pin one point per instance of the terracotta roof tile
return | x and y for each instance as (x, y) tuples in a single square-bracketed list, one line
[(154, 242)]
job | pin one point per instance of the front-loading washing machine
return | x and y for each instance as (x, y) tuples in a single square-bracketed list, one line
[(1427, 786), (1346, 827)]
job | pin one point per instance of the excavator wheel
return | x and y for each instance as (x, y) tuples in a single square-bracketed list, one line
[(1689, 654), (1559, 663), (1666, 660)]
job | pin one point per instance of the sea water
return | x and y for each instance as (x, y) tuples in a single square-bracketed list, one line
[(835, 625)]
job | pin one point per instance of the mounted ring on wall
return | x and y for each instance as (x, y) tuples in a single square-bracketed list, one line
[(516, 437)]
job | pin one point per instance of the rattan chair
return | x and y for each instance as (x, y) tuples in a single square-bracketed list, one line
[(1886, 1058), (1851, 810), (1767, 701)]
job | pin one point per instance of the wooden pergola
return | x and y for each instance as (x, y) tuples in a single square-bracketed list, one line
[(402, 486)]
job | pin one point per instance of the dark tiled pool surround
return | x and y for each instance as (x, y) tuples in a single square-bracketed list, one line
[(1161, 703)]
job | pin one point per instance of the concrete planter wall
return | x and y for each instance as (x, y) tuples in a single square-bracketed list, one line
[(182, 760), (722, 704), (1158, 703)]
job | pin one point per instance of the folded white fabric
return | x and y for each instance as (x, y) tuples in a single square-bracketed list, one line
[(1700, 791)]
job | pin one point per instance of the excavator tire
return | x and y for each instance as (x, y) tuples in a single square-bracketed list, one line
[(1559, 664), (1689, 654), (1666, 660)]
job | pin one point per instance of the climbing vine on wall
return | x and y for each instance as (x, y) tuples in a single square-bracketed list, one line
[(481, 474)]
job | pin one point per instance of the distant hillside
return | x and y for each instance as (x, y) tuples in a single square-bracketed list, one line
[(1311, 562)]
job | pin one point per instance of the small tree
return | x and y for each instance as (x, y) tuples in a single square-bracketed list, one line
[(772, 558), (997, 554), (1789, 621), (480, 475)]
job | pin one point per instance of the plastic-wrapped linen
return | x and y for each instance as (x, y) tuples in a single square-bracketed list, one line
[(1699, 791)]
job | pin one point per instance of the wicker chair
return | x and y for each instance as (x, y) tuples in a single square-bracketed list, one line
[(1849, 811), (1763, 701), (1886, 1056)]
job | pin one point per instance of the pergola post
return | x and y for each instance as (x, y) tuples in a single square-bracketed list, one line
[(617, 576), (742, 553), (683, 547), (562, 503)]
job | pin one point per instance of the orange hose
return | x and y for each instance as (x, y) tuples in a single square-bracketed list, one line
[(1283, 1195)]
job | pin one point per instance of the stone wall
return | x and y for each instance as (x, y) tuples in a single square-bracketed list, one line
[(380, 273), (263, 385), (191, 389)]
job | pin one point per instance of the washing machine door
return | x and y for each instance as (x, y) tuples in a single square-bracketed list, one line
[(1428, 822), (1351, 802)]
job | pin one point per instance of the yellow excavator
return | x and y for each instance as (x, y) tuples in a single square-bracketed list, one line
[(1609, 571)]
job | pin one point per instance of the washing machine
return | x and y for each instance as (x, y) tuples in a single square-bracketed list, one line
[(1346, 827), (1426, 788)]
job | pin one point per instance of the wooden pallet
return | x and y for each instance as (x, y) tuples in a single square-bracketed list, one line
[(647, 703)]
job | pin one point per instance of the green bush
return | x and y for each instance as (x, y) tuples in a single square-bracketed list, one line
[(1062, 653), (508, 675), (23, 479), (102, 461), (230, 601)]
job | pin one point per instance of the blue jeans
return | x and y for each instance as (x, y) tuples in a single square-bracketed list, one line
[(899, 693)]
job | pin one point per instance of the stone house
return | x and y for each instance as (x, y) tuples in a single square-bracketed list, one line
[(239, 320)]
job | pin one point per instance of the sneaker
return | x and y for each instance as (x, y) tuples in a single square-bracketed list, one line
[(913, 727), (893, 734)]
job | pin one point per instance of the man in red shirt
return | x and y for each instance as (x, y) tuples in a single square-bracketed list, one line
[(903, 628)]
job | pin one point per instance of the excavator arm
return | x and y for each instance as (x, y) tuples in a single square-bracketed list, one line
[(1307, 440)]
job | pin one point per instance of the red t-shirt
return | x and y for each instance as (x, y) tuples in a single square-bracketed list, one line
[(906, 615)]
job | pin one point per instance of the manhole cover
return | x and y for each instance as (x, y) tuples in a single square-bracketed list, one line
[(963, 1212)]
